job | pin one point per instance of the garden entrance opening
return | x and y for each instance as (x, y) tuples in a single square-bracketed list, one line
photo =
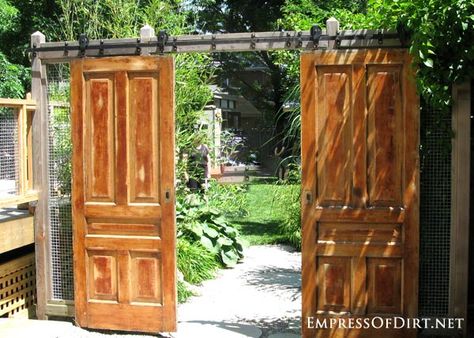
[(359, 184)]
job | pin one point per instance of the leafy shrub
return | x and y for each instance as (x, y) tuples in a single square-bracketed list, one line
[(289, 200), (198, 222), (229, 198), (195, 262)]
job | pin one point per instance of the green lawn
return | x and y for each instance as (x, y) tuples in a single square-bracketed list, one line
[(264, 217)]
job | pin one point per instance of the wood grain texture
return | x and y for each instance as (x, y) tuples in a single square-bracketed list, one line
[(40, 176), (384, 138), (124, 228), (15, 233), (360, 138), (333, 127)]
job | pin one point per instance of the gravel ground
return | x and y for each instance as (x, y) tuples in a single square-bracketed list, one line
[(260, 297)]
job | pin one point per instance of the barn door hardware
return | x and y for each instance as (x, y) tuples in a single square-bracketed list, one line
[(138, 48), (162, 39), (316, 38), (316, 33), (83, 44)]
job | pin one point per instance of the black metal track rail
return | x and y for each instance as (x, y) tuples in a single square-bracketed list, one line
[(229, 42)]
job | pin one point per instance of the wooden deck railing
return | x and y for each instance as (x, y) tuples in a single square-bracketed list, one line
[(25, 109)]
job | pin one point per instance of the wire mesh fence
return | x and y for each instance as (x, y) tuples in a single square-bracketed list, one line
[(435, 212), (9, 165), (59, 172)]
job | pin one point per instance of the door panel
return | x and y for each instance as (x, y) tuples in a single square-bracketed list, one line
[(360, 188), (123, 193), (333, 129)]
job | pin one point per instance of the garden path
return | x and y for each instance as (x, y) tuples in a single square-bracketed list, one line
[(260, 297)]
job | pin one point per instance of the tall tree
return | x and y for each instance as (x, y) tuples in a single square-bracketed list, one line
[(230, 16)]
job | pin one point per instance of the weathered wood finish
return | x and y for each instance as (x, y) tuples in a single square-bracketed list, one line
[(123, 193), (16, 232), (40, 177), (460, 192), (360, 142)]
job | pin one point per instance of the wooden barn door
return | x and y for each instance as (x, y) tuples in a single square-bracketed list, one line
[(123, 193), (360, 140)]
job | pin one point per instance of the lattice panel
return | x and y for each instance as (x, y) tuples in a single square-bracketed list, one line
[(17, 286)]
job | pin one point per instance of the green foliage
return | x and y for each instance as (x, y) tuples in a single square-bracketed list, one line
[(12, 79), (23, 17), (195, 262), (198, 222), (237, 15), (288, 200), (60, 122), (183, 292), (264, 215), (441, 35), (8, 15), (230, 199)]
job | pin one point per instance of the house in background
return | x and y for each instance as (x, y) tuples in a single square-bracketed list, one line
[(237, 129)]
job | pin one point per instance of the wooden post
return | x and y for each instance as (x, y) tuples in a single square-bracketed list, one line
[(146, 34), (460, 198), (332, 28), (40, 176)]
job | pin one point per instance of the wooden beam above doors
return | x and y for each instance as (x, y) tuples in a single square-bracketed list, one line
[(162, 43)]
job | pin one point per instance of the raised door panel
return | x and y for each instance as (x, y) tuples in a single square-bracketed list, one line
[(334, 137), (384, 138), (334, 284), (99, 138), (146, 276), (384, 286), (144, 138), (102, 275)]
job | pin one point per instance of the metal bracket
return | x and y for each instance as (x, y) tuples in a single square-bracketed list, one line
[(288, 40), (83, 44), (315, 33), (299, 44), (175, 46), (379, 36), (253, 41), (101, 47), (138, 49), (162, 39), (213, 43), (338, 40)]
